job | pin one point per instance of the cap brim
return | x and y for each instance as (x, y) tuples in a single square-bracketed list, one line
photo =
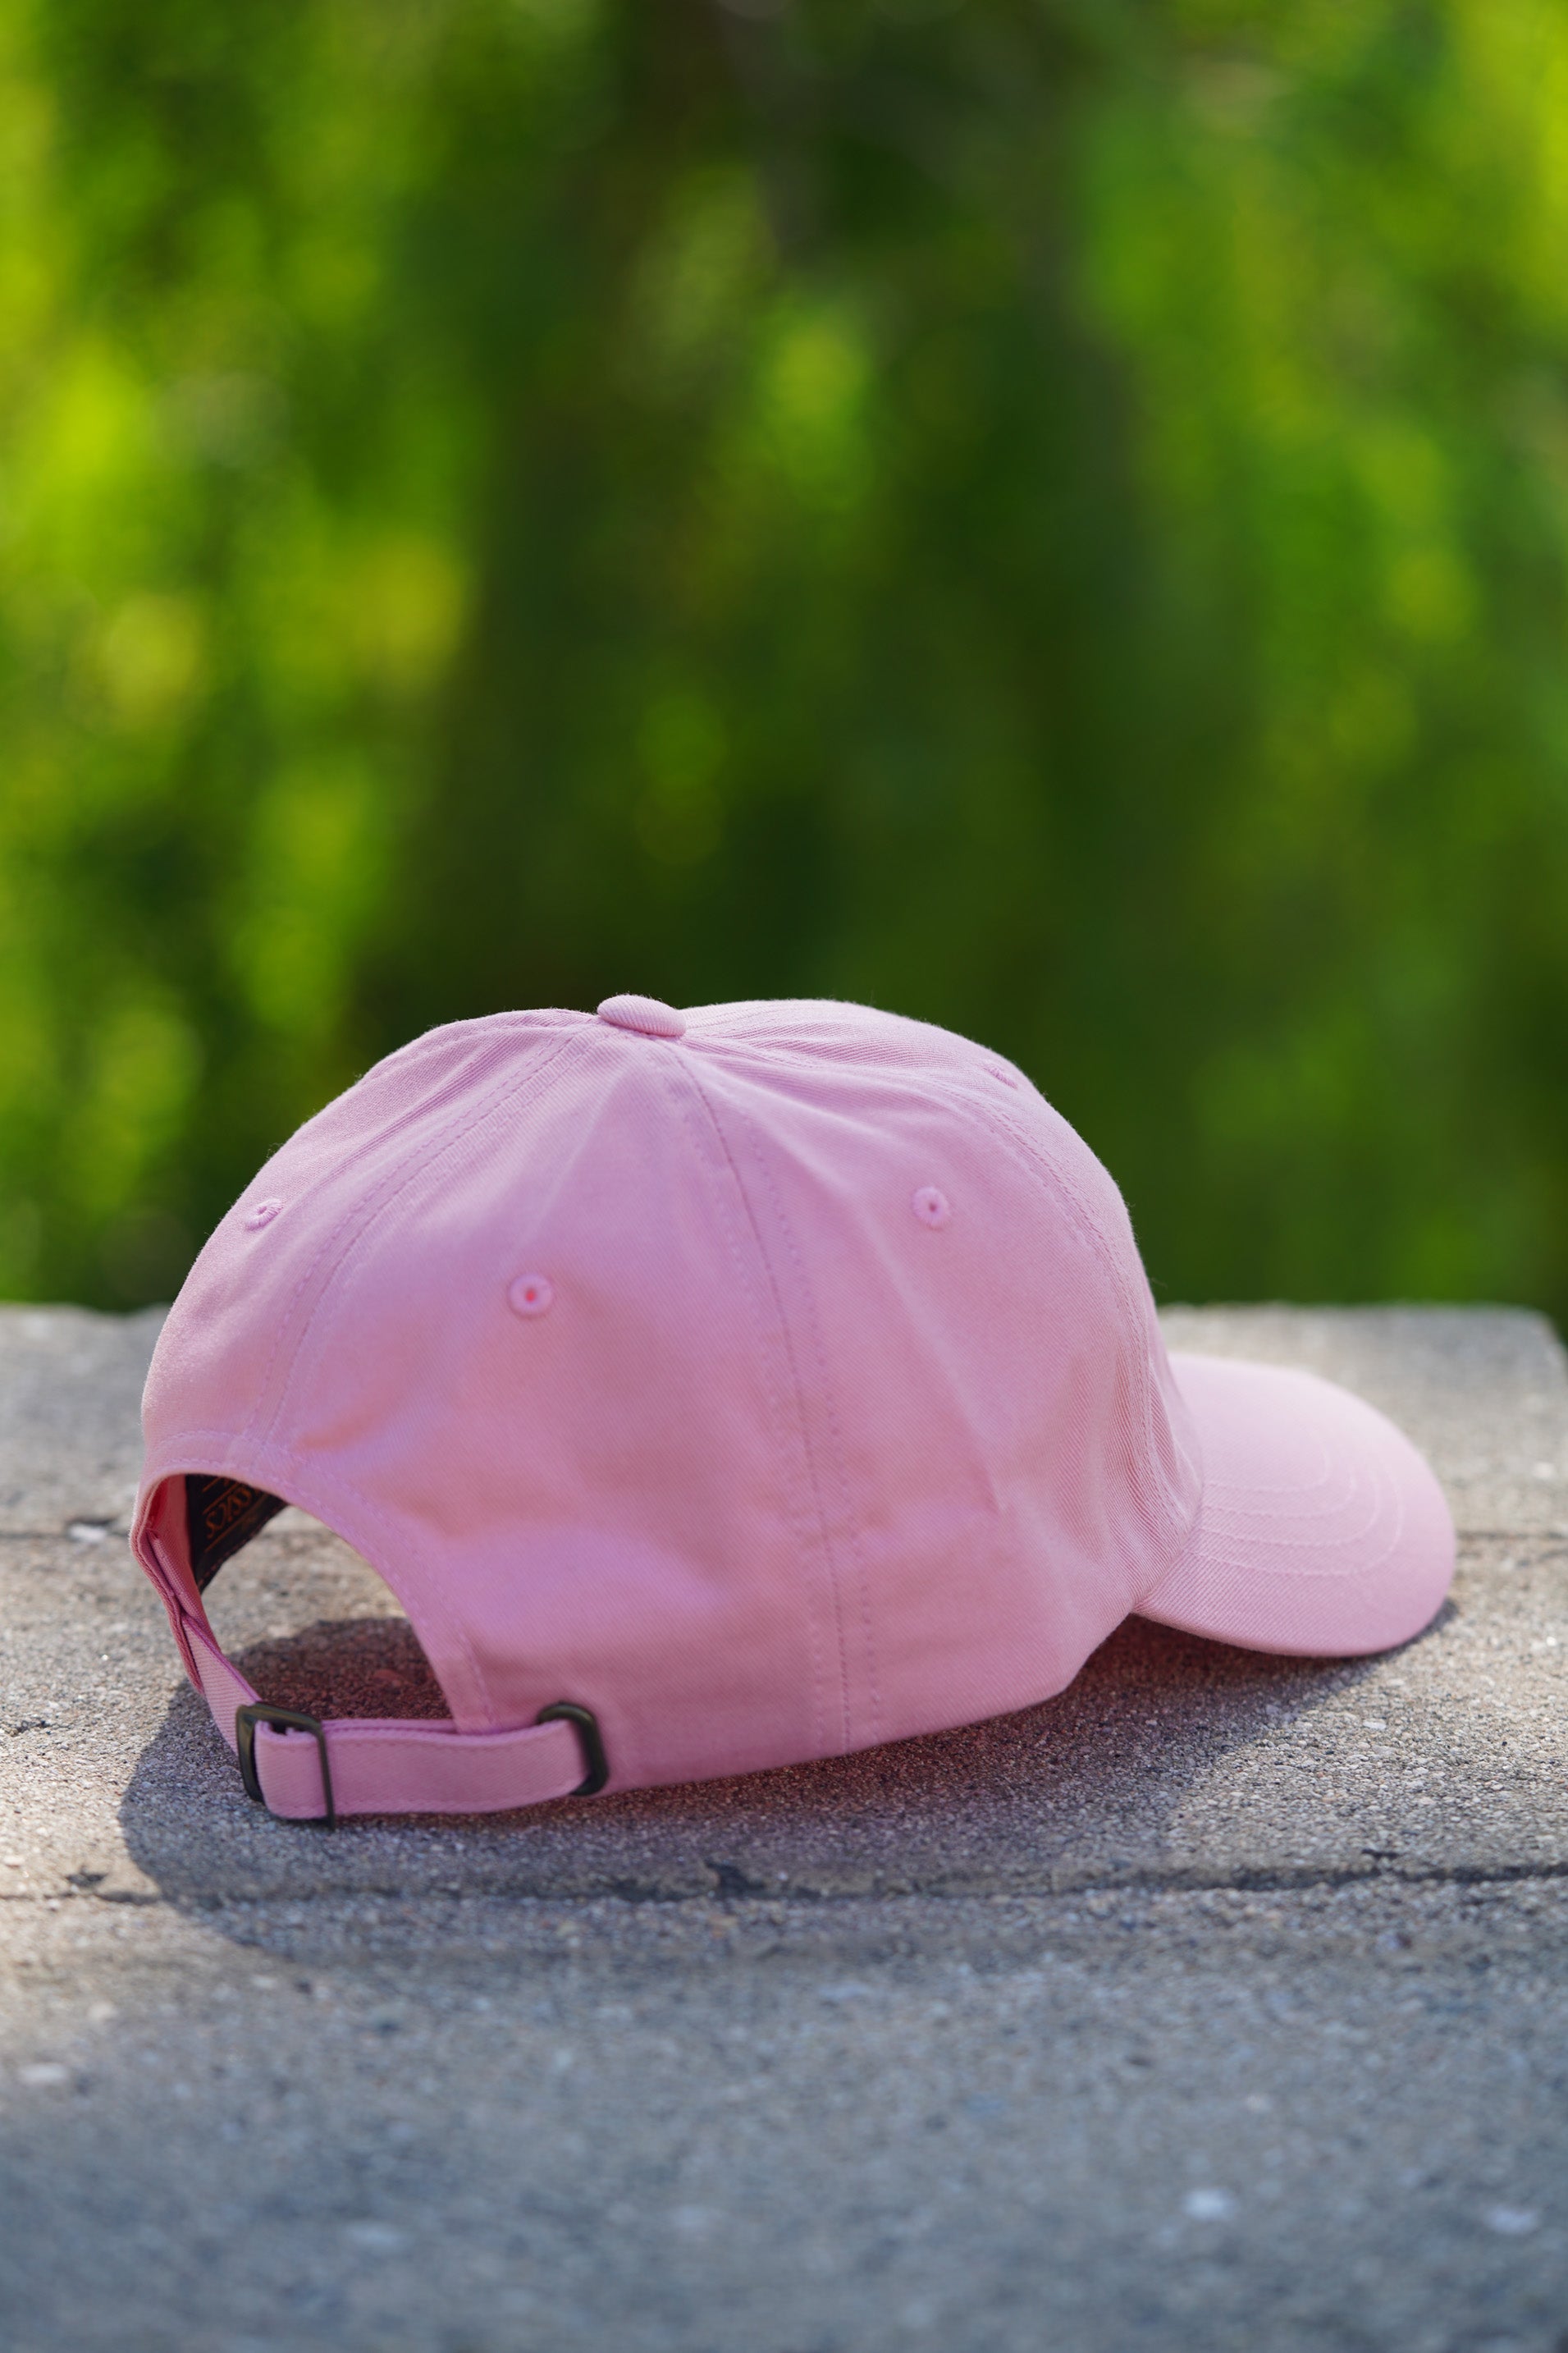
[(1322, 1532)]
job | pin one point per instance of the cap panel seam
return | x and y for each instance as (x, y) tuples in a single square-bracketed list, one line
[(775, 1402), (836, 1448), (531, 1080), (366, 1208), (820, 1535), (1037, 1163), (1042, 1163), (479, 1031), (702, 1028), (1045, 1169), (957, 1087)]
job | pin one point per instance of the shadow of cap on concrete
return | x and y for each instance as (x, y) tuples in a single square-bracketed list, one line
[(1083, 1789)]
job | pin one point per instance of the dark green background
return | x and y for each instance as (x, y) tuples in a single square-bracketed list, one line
[(1046, 515)]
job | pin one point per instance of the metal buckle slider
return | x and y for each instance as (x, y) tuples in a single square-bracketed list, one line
[(282, 1719), (590, 1739)]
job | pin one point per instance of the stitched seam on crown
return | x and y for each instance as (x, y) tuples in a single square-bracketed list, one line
[(373, 1206), (801, 1058), (417, 1050), (1041, 1163), (1046, 1170), (806, 1447), (527, 1084), (1094, 1232), (776, 1404), (834, 1432), (370, 1208)]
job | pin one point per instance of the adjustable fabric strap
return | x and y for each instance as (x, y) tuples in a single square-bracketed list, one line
[(389, 1764)]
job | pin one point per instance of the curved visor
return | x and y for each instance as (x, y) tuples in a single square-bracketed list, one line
[(1322, 1532)]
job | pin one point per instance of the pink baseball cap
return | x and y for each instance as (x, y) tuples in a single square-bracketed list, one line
[(723, 1389)]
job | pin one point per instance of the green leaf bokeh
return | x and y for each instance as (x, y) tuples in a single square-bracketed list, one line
[(1050, 515)]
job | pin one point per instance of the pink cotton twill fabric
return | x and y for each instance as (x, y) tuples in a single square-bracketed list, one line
[(770, 1379)]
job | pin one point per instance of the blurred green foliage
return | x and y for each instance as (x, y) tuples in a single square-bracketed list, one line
[(1048, 514)]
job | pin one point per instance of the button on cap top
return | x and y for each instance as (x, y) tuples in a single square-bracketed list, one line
[(644, 1014)]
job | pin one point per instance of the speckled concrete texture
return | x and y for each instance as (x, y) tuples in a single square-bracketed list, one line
[(1221, 2002), (70, 1403)]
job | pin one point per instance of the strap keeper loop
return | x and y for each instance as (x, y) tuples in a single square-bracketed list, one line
[(585, 1723), (281, 1719)]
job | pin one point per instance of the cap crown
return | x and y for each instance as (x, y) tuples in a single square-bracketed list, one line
[(774, 1388)]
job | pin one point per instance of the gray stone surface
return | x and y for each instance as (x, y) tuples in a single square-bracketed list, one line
[(70, 1403), (1221, 2002)]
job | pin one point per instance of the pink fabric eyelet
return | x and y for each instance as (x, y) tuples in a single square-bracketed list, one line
[(932, 1208), (995, 1071), (532, 1294), (262, 1214)]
